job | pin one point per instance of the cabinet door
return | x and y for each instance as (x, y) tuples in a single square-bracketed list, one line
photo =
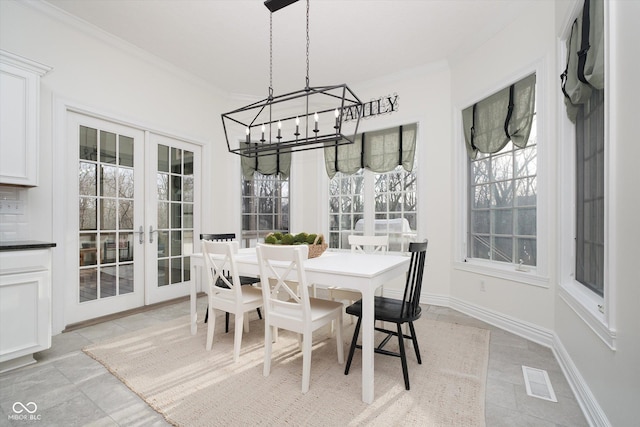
[(19, 112), (24, 314)]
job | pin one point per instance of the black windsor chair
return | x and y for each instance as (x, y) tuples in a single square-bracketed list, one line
[(396, 311)]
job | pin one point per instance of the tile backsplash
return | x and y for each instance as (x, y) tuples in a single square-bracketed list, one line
[(12, 226)]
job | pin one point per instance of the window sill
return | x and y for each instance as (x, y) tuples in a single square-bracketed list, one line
[(586, 305), (507, 272)]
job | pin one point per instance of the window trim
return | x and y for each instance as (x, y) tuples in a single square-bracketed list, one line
[(597, 312), (535, 276)]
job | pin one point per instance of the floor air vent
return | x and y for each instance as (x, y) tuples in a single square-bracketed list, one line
[(538, 384)]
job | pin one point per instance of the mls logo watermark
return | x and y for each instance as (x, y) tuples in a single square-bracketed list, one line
[(24, 412)]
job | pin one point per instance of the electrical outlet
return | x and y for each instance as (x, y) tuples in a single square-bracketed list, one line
[(11, 207), (482, 288)]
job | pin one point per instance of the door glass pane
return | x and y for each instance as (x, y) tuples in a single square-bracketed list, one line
[(176, 215), (176, 270), (108, 180), (105, 181), (188, 163), (125, 247), (107, 147), (163, 215), (88, 143), (108, 214), (187, 188), (126, 151), (176, 160), (88, 249), (88, 284), (176, 188), (163, 158), (87, 179), (163, 272), (187, 215), (125, 278), (88, 213), (125, 215), (108, 282), (125, 183)]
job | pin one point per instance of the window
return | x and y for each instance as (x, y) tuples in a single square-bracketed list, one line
[(346, 207), (373, 203), (590, 193), (502, 200), (265, 206)]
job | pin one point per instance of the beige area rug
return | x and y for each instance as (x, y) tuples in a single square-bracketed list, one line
[(171, 370)]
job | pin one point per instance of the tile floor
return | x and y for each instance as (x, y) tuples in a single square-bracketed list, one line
[(71, 389)]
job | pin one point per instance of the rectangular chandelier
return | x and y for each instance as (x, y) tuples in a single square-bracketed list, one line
[(314, 117), (311, 118)]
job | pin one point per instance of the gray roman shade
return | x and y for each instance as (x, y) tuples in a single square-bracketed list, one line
[(505, 116), (585, 57), (272, 164), (379, 151)]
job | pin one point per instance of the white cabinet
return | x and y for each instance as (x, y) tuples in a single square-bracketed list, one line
[(19, 119), (25, 306)]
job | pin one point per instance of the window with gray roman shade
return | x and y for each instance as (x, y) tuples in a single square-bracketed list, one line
[(379, 151), (584, 70), (505, 116), (272, 164)]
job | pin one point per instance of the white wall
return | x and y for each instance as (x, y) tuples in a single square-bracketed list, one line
[(527, 45), (112, 78), (613, 376)]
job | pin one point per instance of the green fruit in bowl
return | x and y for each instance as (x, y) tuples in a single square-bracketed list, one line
[(288, 239)]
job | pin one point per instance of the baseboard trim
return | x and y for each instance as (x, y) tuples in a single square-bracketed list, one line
[(590, 408), (95, 321)]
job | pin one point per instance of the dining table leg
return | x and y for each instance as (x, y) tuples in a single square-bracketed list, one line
[(367, 331)]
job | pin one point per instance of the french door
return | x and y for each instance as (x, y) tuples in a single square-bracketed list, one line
[(134, 194), (172, 215)]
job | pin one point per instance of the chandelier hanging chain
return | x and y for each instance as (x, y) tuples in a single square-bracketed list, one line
[(307, 80), (270, 55)]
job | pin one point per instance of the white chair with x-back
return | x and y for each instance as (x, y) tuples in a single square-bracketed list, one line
[(299, 312), (226, 292)]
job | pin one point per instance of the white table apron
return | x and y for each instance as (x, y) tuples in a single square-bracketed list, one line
[(362, 272)]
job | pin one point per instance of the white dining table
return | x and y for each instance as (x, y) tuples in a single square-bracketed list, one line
[(357, 271)]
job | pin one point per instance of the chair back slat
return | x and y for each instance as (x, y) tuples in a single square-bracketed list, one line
[(368, 244), (280, 267), (413, 286)]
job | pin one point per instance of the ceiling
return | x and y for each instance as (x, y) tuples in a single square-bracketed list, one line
[(226, 42)]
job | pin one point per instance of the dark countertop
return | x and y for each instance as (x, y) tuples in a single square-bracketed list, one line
[(21, 245)]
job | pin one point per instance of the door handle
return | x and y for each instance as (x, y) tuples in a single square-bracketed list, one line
[(151, 231), (140, 234)]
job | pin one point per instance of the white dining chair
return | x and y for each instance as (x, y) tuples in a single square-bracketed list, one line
[(360, 244), (226, 292), (298, 312)]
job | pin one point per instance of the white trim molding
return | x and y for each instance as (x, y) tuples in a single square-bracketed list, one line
[(590, 408)]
